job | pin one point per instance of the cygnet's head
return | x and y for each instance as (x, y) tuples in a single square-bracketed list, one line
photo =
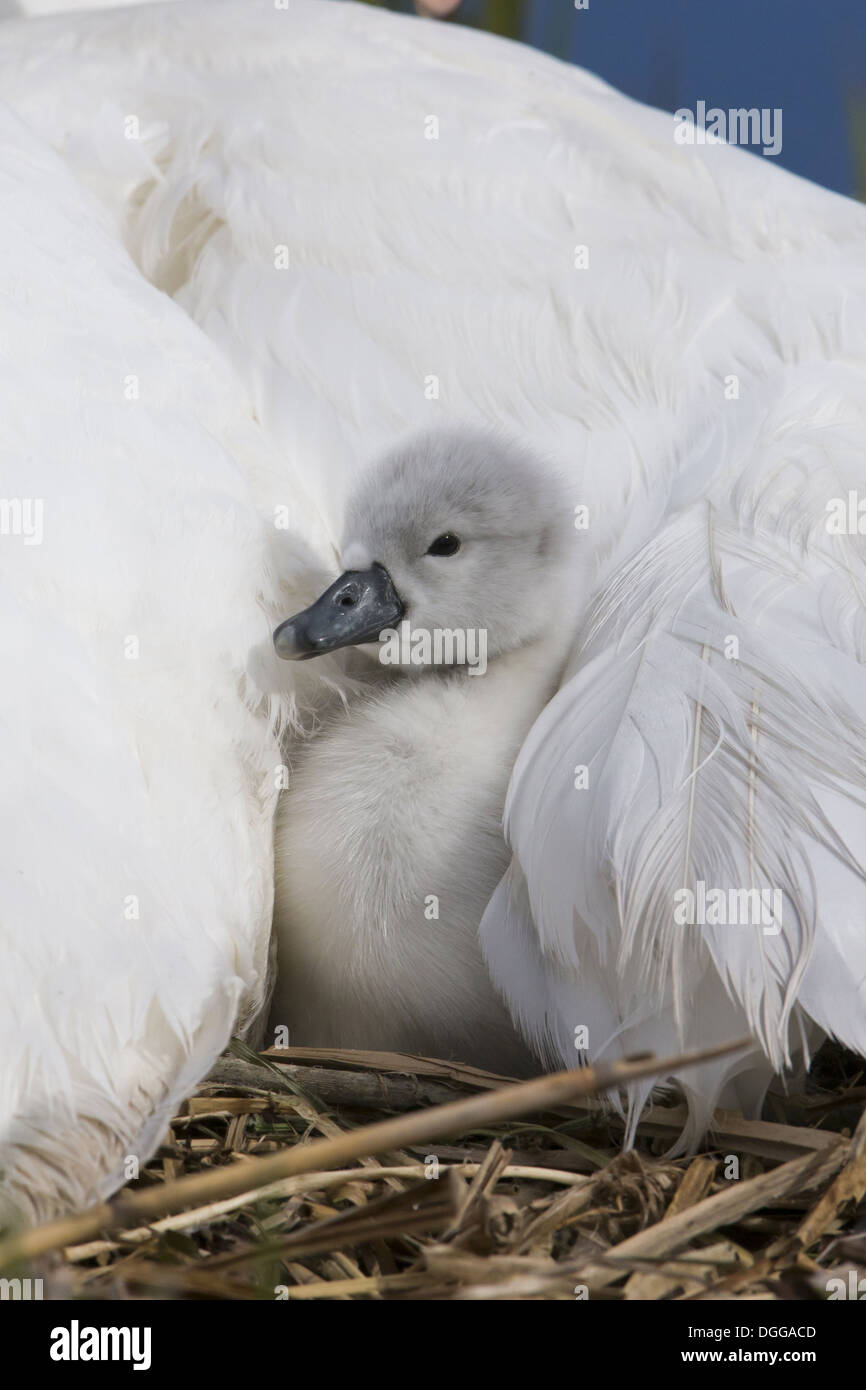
[(457, 530)]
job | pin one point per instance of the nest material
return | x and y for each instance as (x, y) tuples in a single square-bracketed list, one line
[(541, 1207)]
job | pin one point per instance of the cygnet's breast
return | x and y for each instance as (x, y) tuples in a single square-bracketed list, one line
[(389, 844)]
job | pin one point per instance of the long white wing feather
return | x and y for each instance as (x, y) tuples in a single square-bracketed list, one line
[(718, 707)]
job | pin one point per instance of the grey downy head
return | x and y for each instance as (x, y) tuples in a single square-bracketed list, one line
[(457, 531)]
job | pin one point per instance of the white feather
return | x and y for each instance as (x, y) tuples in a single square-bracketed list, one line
[(428, 280)]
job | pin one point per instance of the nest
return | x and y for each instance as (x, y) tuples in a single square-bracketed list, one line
[(543, 1204)]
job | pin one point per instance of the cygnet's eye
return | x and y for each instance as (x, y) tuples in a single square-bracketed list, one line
[(447, 544)]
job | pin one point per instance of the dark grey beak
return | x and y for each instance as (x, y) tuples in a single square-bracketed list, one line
[(355, 609)]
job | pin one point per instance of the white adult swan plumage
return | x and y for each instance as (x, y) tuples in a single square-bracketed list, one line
[(300, 234)]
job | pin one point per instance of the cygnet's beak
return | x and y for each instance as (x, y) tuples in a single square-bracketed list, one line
[(354, 609)]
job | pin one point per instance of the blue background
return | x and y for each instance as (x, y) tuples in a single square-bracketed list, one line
[(806, 56)]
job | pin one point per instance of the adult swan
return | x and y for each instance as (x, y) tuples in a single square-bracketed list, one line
[(249, 247)]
